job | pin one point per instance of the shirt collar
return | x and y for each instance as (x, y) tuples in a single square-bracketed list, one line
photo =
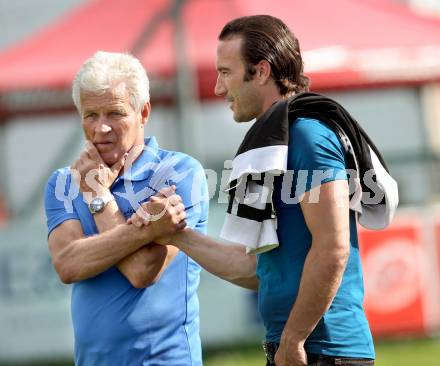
[(144, 164)]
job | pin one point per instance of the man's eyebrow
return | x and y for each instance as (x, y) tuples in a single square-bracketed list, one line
[(119, 108), (222, 68)]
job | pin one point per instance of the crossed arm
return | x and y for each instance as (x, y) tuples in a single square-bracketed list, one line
[(76, 257), (145, 265)]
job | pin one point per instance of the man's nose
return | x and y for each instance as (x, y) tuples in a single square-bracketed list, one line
[(219, 89), (103, 126)]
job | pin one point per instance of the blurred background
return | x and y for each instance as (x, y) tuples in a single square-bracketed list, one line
[(379, 58)]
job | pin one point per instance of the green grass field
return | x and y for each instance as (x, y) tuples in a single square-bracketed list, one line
[(392, 353)]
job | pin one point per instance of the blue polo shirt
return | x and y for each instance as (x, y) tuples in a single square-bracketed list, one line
[(315, 156), (115, 323)]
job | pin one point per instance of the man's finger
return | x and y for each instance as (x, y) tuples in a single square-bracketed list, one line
[(132, 218), (93, 152), (83, 156), (181, 216), (167, 191), (180, 207), (116, 167), (136, 220), (143, 213), (175, 199), (181, 225)]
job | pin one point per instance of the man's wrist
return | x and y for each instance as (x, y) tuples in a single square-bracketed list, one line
[(289, 337), (142, 234), (154, 230), (180, 238), (103, 193)]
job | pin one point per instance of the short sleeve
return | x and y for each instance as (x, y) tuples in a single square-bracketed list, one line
[(192, 186), (58, 199), (316, 155)]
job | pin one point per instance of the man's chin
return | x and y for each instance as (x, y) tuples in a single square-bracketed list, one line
[(109, 158), (240, 118)]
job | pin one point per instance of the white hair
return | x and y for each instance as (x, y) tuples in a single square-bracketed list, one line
[(105, 70)]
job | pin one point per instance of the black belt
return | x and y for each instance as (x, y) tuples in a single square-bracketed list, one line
[(270, 348)]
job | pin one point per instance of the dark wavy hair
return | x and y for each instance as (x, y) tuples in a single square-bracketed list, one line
[(268, 38)]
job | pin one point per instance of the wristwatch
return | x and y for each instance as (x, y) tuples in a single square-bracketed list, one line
[(97, 204)]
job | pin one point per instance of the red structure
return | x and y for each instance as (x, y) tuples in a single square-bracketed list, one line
[(402, 282), (346, 43)]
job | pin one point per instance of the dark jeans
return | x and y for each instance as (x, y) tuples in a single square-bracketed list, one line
[(319, 360)]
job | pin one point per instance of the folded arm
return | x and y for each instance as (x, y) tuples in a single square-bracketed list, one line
[(141, 265), (76, 257), (144, 266)]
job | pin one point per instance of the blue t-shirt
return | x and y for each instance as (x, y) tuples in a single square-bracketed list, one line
[(315, 155), (115, 323)]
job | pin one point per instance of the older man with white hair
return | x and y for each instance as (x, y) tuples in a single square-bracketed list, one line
[(133, 302)]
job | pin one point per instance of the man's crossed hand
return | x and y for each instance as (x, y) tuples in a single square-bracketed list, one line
[(164, 213)]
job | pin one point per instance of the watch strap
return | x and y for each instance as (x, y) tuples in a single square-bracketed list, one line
[(103, 200)]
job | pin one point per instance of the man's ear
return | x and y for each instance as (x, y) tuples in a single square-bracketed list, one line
[(263, 71), (145, 113)]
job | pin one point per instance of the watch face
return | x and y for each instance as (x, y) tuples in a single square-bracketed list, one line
[(96, 205)]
